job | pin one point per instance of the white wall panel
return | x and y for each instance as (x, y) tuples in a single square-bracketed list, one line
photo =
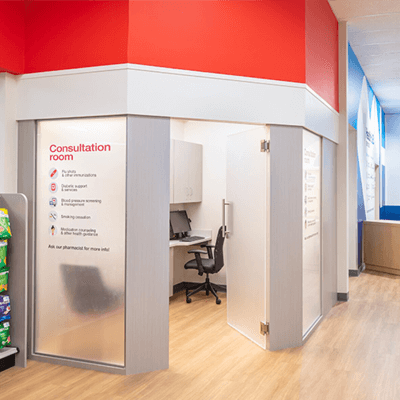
[(214, 97), (8, 133), (154, 91), (321, 118), (77, 93)]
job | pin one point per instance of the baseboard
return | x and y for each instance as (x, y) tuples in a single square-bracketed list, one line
[(358, 271), (384, 270), (343, 296), (179, 287)]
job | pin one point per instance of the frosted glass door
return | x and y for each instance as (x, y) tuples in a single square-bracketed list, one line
[(246, 246), (311, 229), (80, 239)]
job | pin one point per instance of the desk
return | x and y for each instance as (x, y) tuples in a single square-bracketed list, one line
[(178, 256), (382, 246)]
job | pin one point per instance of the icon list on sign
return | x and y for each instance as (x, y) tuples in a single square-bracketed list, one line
[(52, 230), (53, 173), (53, 201), (53, 216), (53, 187)]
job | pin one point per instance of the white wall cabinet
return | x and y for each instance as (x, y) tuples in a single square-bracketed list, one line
[(187, 172)]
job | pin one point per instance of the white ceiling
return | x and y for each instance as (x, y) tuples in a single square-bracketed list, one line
[(374, 35)]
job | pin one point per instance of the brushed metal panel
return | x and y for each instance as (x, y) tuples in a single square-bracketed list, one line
[(26, 185), (147, 273), (286, 237), (329, 225)]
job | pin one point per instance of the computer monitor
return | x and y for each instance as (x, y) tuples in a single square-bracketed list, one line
[(179, 221)]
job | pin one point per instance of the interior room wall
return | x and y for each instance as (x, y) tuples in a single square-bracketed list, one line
[(177, 129), (208, 213)]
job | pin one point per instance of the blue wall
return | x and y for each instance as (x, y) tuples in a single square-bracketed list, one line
[(390, 212), (356, 76)]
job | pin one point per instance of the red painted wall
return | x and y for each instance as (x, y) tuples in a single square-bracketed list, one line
[(322, 51), (12, 36), (263, 39), (291, 40), (75, 34)]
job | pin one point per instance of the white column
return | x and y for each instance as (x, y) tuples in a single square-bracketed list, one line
[(8, 133), (343, 195)]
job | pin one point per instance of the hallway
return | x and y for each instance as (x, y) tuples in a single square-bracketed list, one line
[(353, 355)]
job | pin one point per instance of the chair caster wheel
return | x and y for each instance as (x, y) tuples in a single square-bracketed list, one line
[(218, 301), (188, 300)]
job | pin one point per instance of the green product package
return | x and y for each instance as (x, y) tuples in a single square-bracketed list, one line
[(3, 256), (5, 231), (3, 281), (5, 338)]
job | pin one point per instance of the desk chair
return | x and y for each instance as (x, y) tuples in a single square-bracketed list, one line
[(210, 265)]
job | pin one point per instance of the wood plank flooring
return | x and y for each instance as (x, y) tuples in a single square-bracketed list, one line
[(353, 355)]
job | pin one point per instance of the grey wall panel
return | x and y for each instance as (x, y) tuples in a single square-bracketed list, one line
[(353, 226), (17, 260), (147, 274), (286, 237), (329, 225), (26, 185)]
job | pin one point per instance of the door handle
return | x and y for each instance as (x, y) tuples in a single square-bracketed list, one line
[(225, 232)]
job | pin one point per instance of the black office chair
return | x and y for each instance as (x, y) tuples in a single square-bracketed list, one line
[(210, 265)]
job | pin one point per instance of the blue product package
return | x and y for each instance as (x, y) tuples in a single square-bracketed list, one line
[(5, 308)]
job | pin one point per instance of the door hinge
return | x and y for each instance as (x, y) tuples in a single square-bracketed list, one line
[(264, 328), (265, 146)]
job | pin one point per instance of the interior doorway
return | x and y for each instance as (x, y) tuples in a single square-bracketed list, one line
[(234, 168)]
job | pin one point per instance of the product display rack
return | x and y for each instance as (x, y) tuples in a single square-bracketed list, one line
[(17, 259)]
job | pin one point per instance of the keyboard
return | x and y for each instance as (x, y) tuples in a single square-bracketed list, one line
[(191, 238)]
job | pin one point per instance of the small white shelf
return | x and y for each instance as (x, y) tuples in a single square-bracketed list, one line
[(7, 351)]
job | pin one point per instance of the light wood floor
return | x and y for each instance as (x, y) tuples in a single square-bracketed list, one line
[(353, 355)]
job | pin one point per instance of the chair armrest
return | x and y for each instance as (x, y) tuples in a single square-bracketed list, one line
[(209, 251), (197, 251), (198, 259)]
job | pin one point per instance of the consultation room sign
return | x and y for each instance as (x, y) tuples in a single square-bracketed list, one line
[(81, 184), (66, 153), (80, 223)]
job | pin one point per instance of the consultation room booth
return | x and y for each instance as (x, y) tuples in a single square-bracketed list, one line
[(98, 185)]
